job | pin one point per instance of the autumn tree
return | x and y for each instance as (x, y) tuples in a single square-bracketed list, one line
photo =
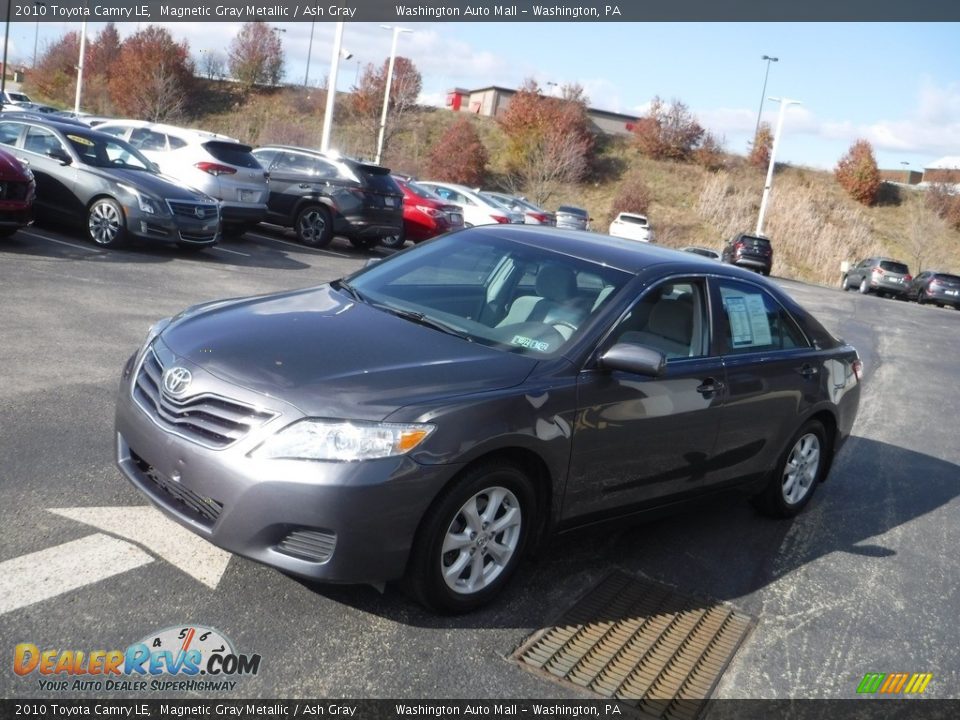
[(153, 77), (761, 147), (549, 140), (255, 56), (858, 174), (668, 131), (459, 156), (366, 100), (55, 76), (709, 153), (633, 195)]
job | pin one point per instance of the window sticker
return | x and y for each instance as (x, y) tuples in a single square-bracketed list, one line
[(759, 323), (526, 342), (81, 140), (740, 330)]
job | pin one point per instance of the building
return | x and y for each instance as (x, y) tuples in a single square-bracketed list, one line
[(493, 101), (902, 176), (944, 170)]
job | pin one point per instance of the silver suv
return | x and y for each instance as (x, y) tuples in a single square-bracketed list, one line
[(881, 275), (220, 166)]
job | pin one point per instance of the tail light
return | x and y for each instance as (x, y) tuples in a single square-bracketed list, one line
[(878, 271), (539, 217), (215, 169), (858, 369), (739, 245), (502, 219), (907, 278), (431, 211)]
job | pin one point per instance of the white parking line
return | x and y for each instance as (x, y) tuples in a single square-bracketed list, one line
[(234, 252), (30, 233), (302, 248), (42, 575)]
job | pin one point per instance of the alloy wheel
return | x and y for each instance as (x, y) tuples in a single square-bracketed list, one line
[(801, 469)]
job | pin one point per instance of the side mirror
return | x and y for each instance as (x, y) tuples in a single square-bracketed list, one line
[(631, 358)]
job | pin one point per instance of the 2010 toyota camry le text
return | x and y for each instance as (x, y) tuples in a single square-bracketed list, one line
[(434, 416)]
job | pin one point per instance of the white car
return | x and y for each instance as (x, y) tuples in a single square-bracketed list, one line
[(631, 226), (220, 166), (477, 210)]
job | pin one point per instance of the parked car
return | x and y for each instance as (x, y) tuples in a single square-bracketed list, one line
[(320, 196), (935, 287), (103, 184), (702, 252), (532, 214), (884, 276), (17, 192), (631, 226), (437, 414), (573, 218), (750, 251), (13, 97), (477, 210), (513, 211), (217, 165), (425, 215)]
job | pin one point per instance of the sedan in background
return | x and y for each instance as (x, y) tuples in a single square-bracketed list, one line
[(439, 414), (425, 215), (570, 217), (631, 226), (532, 214), (103, 184), (934, 287), (477, 210), (17, 192)]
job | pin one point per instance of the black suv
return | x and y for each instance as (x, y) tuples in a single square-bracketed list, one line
[(881, 275), (749, 251), (320, 196), (935, 287)]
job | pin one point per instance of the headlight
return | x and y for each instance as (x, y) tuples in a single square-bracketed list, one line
[(147, 204), (342, 440)]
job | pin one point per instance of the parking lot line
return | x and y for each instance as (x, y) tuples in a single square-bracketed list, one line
[(30, 233), (302, 248), (234, 252)]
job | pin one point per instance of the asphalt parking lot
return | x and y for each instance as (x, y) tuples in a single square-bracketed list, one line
[(863, 581)]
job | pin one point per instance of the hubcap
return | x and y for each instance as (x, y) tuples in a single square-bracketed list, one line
[(312, 225), (104, 223), (481, 540), (801, 469)]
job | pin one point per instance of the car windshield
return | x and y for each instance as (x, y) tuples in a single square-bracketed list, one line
[(495, 201), (502, 294), (107, 152)]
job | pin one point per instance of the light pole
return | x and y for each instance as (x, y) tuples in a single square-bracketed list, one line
[(36, 34), (784, 102), (331, 88), (83, 48), (386, 92), (306, 75), (763, 92), (6, 41)]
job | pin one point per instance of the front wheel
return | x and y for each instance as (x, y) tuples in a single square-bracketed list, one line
[(106, 225), (473, 538), (798, 471), (845, 284)]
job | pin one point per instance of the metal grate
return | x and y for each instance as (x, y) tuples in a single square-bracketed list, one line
[(640, 642), (199, 211), (312, 545)]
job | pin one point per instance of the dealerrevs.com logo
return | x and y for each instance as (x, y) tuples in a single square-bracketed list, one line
[(185, 658), (894, 683)]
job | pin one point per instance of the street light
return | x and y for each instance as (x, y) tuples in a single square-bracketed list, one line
[(386, 93), (6, 41), (36, 34), (784, 102), (306, 75), (83, 48), (331, 88), (763, 92)]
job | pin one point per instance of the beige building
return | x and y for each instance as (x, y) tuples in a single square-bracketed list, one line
[(944, 170)]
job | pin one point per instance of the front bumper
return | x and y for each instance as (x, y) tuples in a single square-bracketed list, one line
[(332, 521), (172, 228)]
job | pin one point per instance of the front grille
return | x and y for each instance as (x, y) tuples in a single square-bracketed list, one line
[(209, 420), (14, 190), (206, 508), (312, 545), (197, 237), (198, 211)]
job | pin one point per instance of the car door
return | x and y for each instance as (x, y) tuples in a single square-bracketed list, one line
[(54, 168), (638, 440), (773, 374)]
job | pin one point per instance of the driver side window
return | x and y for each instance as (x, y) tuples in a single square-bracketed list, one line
[(671, 318)]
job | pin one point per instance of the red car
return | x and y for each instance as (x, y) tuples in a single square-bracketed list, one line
[(17, 190), (425, 215)]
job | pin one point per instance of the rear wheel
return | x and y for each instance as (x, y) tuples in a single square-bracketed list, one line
[(106, 225), (473, 538), (920, 299), (395, 242), (313, 226), (798, 471), (864, 287)]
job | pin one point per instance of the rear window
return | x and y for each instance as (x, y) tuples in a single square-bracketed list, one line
[(751, 240), (232, 153), (572, 210), (634, 219), (894, 267), (377, 179), (942, 277)]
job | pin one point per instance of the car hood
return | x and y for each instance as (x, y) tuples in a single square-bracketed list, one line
[(159, 185), (331, 356)]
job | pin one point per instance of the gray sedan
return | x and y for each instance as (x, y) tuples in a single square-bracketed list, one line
[(437, 414)]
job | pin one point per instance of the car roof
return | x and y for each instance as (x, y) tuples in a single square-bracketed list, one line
[(63, 125), (330, 157), (162, 127)]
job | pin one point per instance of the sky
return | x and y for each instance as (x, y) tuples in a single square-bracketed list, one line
[(896, 85)]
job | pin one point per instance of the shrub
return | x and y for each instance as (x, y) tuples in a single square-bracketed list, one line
[(761, 147), (459, 156), (858, 174), (633, 195)]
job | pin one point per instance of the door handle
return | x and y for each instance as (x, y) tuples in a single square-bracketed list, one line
[(23, 161), (710, 386), (305, 186), (808, 371)]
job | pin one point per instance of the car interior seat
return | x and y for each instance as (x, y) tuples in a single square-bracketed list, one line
[(555, 302)]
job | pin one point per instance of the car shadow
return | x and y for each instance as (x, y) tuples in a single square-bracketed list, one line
[(722, 550)]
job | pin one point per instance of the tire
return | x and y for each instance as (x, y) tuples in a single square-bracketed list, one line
[(313, 226), (920, 300), (845, 283), (864, 287), (106, 224), (364, 243), (469, 574), (797, 474), (395, 242)]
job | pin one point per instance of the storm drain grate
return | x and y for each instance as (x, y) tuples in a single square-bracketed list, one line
[(640, 642)]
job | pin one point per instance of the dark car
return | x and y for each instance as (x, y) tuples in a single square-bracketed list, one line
[(320, 196), (17, 192), (88, 177), (884, 276), (935, 287), (749, 251), (439, 413), (425, 215)]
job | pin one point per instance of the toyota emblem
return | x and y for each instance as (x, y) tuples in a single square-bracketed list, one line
[(176, 380), (199, 212)]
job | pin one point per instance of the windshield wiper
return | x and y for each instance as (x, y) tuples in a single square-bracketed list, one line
[(349, 289), (420, 319)]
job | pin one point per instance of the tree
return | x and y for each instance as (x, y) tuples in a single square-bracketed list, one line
[(858, 174), (761, 147), (459, 156), (710, 152), (153, 76), (212, 64), (255, 56), (549, 141), (668, 132), (55, 76), (366, 100), (633, 195)]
